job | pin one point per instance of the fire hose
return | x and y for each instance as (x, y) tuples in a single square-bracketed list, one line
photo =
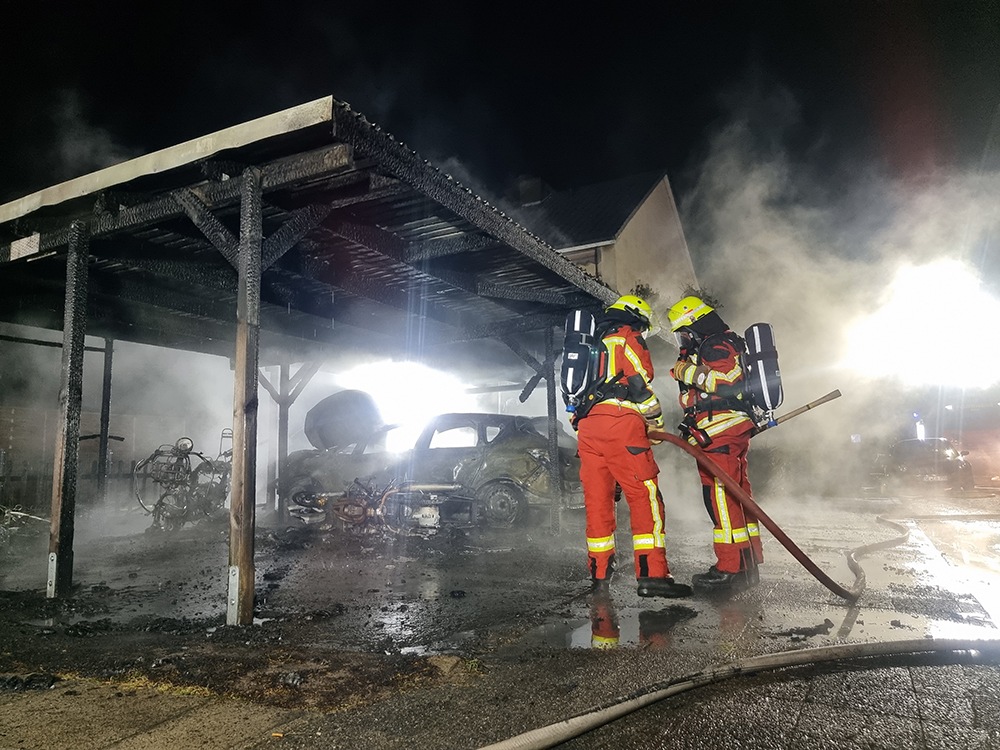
[(977, 651), (752, 509)]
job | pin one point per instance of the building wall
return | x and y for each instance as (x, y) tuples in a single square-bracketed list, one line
[(651, 250)]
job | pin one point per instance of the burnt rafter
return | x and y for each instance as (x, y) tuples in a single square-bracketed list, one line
[(523, 324), (307, 218), (214, 230), (408, 166), (288, 290), (360, 285), (290, 232), (186, 271), (276, 175), (431, 249), (387, 244)]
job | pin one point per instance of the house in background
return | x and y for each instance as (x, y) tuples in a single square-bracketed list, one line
[(626, 232)]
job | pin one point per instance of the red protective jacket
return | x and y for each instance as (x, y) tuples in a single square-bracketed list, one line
[(712, 385), (711, 394), (629, 365), (615, 450)]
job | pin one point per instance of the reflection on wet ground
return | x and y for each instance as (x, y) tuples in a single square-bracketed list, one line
[(526, 589)]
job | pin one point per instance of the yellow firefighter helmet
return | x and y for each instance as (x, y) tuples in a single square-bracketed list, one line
[(638, 307), (687, 311)]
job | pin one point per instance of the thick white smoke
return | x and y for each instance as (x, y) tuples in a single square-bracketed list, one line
[(821, 256)]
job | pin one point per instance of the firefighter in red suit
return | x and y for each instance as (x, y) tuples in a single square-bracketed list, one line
[(614, 448), (710, 375)]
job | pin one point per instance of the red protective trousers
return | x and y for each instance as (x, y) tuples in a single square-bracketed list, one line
[(736, 534), (614, 448)]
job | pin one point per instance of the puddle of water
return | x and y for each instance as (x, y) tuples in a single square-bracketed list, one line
[(606, 627)]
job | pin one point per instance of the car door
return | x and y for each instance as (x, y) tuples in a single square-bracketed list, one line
[(448, 452)]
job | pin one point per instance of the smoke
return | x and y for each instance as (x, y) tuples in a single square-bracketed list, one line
[(80, 147), (816, 251)]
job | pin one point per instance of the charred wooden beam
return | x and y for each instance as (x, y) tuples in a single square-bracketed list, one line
[(276, 175), (408, 166), (516, 325), (105, 431), (303, 220), (429, 250), (242, 516), (214, 230), (60, 564), (39, 342), (362, 286), (187, 272), (485, 288), (389, 245)]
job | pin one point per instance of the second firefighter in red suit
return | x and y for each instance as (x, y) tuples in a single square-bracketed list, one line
[(615, 449), (710, 374)]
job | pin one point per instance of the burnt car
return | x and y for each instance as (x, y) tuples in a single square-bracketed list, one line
[(479, 468), (926, 463)]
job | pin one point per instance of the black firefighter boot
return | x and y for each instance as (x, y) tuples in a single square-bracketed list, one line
[(666, 587), (717, 580)]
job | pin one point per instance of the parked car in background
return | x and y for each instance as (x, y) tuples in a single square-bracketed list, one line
[(926, 463), (494, 464)]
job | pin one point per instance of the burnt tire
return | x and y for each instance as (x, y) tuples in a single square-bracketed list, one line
[(501, 505)]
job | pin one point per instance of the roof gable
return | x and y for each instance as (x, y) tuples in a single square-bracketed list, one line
[(588, 215)]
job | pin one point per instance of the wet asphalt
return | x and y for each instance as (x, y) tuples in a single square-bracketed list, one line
[(522, 643)]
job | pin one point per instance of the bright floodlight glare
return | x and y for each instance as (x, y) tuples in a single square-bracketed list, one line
[(929, 330), (408, 394)]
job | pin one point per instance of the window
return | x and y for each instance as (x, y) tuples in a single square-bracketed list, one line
[(456, 437)]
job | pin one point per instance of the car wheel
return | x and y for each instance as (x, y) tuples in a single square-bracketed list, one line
[(501, 505)]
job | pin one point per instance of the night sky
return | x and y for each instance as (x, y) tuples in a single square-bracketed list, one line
[(492, 92)]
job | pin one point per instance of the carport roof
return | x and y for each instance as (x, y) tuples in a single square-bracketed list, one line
[(364, 240)]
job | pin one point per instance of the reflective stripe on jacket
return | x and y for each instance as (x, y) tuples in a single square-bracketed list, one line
[(628, 354)]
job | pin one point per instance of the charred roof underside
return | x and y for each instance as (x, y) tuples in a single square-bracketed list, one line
[(362, 237)]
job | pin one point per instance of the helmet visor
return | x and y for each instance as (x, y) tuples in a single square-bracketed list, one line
[(654, 323), (685, 340)]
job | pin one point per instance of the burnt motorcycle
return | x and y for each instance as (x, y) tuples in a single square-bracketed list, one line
[(403, 508)]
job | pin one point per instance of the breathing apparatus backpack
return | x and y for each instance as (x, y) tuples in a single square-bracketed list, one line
[(761, 391), (762, 377), (582, 362), (583, 376)]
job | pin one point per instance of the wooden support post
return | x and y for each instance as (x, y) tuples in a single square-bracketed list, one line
[(243, 504), (65, 468), (284, 389), (103, 461), (555, 465), (272, 448), (289, 388)]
